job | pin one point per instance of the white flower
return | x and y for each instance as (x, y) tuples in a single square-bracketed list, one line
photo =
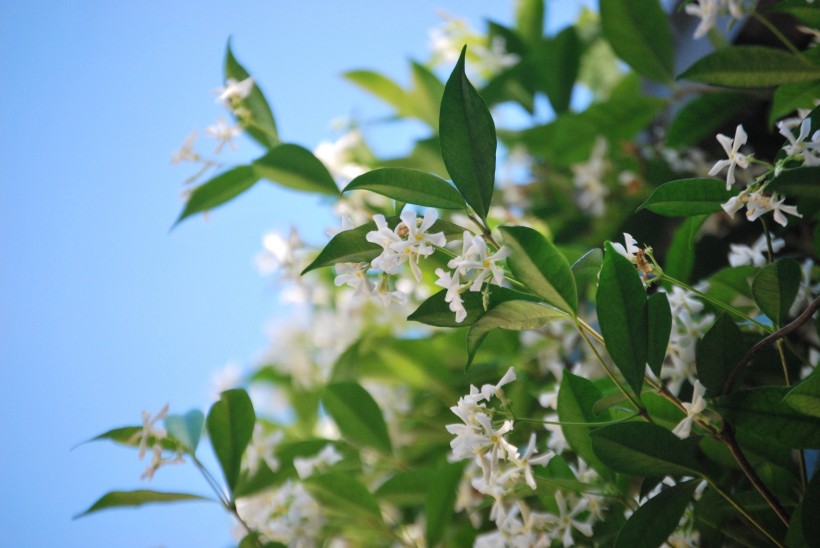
[(755, 254), (354, 275), (693, 409), (149, 430), (186, 151), (565, 521), (588, 180), (452, 283), (707, 10), (523, 464), (759, 203), (262, 449), (327, 457), (234, 91), (631, 249), (390, 260), (481, 266), (340, 156), (735, 158), (224, 134), (797, 146), (489, 391), (418, 242)]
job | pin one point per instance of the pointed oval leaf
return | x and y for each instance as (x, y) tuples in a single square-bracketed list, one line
[(805, 396), (215, 192), (436, 311), (638, 31), (701, 117), (790, 97), (577, 397), (680, 257), (775, 288), (544, 270), (468, 141), (263, 126), (382, 87), (557, 61), (622, 315), (441, 500), (409, 186), (357, 415), (751, 67), (120, 499), (186, 428), (688, 197), (343, 495), (295, 167), (659, 317), (718, 352), (657, 518), (230, 425), (131, 435), (587, 267), (643, 449)]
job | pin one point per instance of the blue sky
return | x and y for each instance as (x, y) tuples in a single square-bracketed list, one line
[(103, 312)]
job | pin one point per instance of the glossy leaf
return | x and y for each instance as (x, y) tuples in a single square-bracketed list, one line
[(763, 411), (295, 167), (435, 311), (638, 31), (701, 118), (511, 315), (643, 449), (718, 353), (215, 192), (680, 257), (659, 318), (657, 518), (544, 270), (409, 186), (805, 396), (688, 197), (622, 315), (186, 428), (263, 128), (468, 141), (441, 499), (790, 97), (750, 67), (357, 415), (576, 399), (343, 495), (775, 288), (120, 499), (230, 425)]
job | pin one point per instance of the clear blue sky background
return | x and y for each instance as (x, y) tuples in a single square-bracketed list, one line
[(103, 312)]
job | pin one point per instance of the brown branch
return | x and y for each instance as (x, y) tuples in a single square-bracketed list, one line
[(769, 339)]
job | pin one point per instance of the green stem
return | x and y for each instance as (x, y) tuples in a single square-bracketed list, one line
[(590, 424), (779, 35), (743, 512)]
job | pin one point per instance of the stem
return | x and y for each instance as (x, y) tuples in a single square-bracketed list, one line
[(779, 345), (591, 331), (769, 248), (728, 437), (779, 35), (564, 423), (744, 513), (776, 336)]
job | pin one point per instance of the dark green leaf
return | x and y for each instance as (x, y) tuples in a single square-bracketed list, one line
[(468, 141), (295, 167), (805, 396), (718, 353), (186, 428), (638, 31), (775, 288), (657, 518), (118, 499), (805, 11), (701, 117), (643, 449), (576, 399), (751, 67), (222, 188), (557, 61), (409, 186), (688, 197), (622, 315), (441, 500), (230, 425), (790, 97), (808, 509), (680, 257), (357, 415), (762, 411), (659, 317), (263, 126), (543, 269), (342, 494), (435, 311), (586, 268), (802, 183)]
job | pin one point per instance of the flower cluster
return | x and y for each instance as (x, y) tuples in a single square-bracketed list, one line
[(709, 10), (151, 438)]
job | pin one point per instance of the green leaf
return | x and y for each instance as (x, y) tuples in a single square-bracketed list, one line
[(805, 396), (426, 94), (808, 509), (382, 87), (586, 268), (263, 126), (750, 67), (295, 167), (441, 500), (436, 311), (701, 117), (657, 518), (775, 288), (576, 400), (215, 192), (342, 494), (230, 425), (718, 353), (688, 197), (406, 488), (622, 315), (801, 9), (468, 141), (131, 435), (803, 184), (357, 415), (544, 270), (186, 428), (119, 499), (643, 449), (511, 315), (529, 19), (762, 411), (350, 246), (638, 31), (790, 97), (410, 186), (557, 61), (680, 257), (659, 317)]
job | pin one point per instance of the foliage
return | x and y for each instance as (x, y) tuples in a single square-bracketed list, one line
[(552, 383)]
